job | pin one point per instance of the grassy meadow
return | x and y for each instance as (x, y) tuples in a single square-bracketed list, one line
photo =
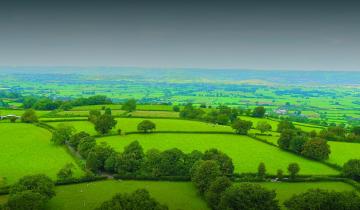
[(246, 152), (26, 149)]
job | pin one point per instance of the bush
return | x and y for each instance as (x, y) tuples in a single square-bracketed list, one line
[(293, 170), (317, 199), (317, 149), (241, 126), (351, 169), (29, 116), (248, 196)]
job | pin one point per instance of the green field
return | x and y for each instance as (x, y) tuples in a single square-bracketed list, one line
[(130, 124), (285, 190), (26, 149), (19, 112), (341, 152), (246, 152), (177, 195), (155, 114)]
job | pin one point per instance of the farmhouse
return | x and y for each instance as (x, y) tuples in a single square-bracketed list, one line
[(9, 116)]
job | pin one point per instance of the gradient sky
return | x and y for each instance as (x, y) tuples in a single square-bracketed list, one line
[(281, 35)]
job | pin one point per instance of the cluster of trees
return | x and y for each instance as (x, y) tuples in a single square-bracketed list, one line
[(103, 122), (30, 192), (49, 104), (215, 186), (129, 105), (222, 115), (139, 199), (29, 116), (302, 143), (339, 133), (351, 169)]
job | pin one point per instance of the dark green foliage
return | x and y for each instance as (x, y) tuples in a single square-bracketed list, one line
[(66, 172), (138, 200), (35, 183), (97, 156), (110, 164), (224, 161), (204, 173), (258, 112), (86, 145), (92, 100), (297, 143), (176, 108), (248, 196), (334, 133), (285, 138), (317, 149), (172, 163), (104, 123), (75, 139), (222, 115), (131, 159), (146, 126), (280, 174), (29, 116), (129, 105), (217, 187), (190, 112), (356, 130), (285, 125), (62, 134), (317, 199), (241, 126), (293, 170), (351, 169), (263, 126), (94, 115), (192, 158), (92, 162), (27, 200), (152, 159), (261, 170)]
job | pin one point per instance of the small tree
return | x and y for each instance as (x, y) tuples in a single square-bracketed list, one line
[(129, 105), (249, 196), (62, 134), (176, 108), (204, 173), (297, 143), (285, 125), (104, 123), (75, 139), (93, 115), (263, 126), (293, 170), (285, 138), (13, 119), (29, 116), (280, 174), (215, 190), (66, 172), (26, 200), (225, 162), (261, 170), (317, 149), (36, 183), (241, 126), (351, 169), (146, 126), (259, 112)]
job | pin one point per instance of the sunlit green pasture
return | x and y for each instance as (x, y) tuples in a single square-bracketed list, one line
[(246, 152)]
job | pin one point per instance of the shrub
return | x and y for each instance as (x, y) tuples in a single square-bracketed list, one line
[(293, 170), (29, 116), (351, 169)]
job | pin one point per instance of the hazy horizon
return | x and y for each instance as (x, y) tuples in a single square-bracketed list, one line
[(261, 35)]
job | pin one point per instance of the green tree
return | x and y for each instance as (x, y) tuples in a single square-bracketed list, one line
[(356, 130), (171, 162), (27, 200), (217, 187), (351, 169), (104, 123), (248, 196), (258, 112), (317, 149), (94, 115), (297, 144), (285, 138), (29, 116), (176, 108), (92, 162), (204, 173), (263, 126), (75, 139), (66, 173), (62, 134), (224, 161), (285, 125), (241, 126), (129, 105), (317, 199), (280, 174), (293, 170), (138, 200), (146, 126), (131, 159), (86, 145), (36, 183), (261, 170)]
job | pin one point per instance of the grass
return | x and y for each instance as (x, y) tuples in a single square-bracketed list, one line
[(130, 124), (26, 149), (246, 152), (177, 195), (158, 114), (341, 152), (285, 190)]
